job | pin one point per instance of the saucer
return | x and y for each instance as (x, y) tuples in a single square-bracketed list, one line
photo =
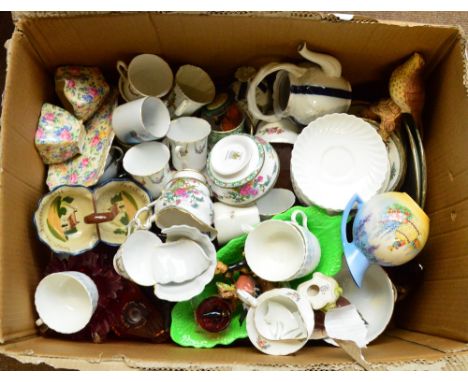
[(335, 157), (397, 159)]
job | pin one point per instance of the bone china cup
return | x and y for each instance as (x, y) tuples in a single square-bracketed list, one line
[(188, 138), (145, 119), (277, 250), (148, 164), (146, 75), (279, 321), (66, 301)]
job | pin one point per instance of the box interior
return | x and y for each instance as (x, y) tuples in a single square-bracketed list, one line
[(221, 43)]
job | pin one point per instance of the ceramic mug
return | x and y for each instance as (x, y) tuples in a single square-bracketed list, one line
[(277, 250), (146, 75), (279, 321), (188, 138), (111, 169), (230, 221), (133, 260), (193, 89), (148, 164), (186, 200), (66, 301), (145, 119)]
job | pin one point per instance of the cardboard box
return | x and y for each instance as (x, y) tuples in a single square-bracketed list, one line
[(431, 328)]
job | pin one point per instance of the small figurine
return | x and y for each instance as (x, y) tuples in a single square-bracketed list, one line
[(387, 113), (406, 87)]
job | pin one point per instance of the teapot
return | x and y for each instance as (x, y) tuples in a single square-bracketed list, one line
[(303, 92), (389, 229)]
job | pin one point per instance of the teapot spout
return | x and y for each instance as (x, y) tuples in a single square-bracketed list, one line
[(329, 64)]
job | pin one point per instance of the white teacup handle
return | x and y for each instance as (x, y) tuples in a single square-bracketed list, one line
[(181, 108), (246, 298), (122, 68), (259, 77), (304, 218)]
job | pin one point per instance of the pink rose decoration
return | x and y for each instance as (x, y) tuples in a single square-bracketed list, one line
[(39, 133), (245, 189), (253, 192), (180, 192), (93, 92), (65, 135), (71, 83), (49, 116), (95, 140), (260, 179), (85, 162), (73, 178)]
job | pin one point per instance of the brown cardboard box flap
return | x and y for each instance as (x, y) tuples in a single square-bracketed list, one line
[(387, 353)]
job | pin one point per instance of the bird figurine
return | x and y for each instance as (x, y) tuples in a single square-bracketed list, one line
[(387, 113), (406, 87)]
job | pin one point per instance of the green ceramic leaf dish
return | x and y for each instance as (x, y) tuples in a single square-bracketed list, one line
[(186, 332), (325, 227)]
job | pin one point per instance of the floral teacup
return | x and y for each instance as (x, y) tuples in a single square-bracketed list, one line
[(186, 200), (81, 89), (59, 135)]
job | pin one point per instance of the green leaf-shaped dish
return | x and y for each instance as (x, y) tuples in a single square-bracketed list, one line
[(186, 332), (325, 227)]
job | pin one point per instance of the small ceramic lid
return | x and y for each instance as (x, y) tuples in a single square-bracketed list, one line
[(235, 160)]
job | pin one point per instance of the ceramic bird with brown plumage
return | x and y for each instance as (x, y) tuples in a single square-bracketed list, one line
[(406, 87)]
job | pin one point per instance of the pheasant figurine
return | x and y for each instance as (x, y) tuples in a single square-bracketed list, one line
[(407, 88)]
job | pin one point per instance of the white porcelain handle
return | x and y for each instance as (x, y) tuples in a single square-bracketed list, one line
[(246, 298), (260, 76), (122, 68), (304, 218), (181, 108)]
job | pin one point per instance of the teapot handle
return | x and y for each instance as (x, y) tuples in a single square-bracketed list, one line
[(259, 77), (357, 261)]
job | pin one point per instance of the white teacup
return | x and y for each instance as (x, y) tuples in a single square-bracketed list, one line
[(145, 119), (148, 163), (279, 322), (231, 222), (146, 75), (274, 202), (133, 260), (277, 250), (193, 89), (66, 301), (188, 138)]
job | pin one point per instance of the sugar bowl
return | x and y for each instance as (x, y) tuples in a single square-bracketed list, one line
[(242, 168)]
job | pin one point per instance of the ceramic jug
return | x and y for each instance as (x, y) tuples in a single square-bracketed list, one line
[(303, 92), (390, 229)]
